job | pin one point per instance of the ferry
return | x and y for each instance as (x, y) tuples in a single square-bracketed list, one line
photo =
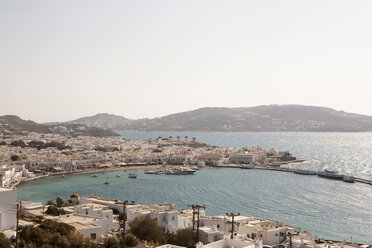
[(330, 174), (305, 172), (132, 175), (349, 179)]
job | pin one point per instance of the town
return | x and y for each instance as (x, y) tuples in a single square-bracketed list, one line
[(34, 156)]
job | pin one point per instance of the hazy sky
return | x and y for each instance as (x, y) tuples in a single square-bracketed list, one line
[(60, 60)]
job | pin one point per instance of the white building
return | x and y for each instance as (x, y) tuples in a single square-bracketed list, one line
[(237, 242), (8, 208), (242, 158)]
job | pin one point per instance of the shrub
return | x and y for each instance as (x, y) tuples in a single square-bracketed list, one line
[(131, 240), (4, 241)]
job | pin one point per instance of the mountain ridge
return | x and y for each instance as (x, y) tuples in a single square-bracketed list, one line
[(299, 118)]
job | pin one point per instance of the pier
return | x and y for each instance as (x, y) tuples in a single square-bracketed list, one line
[(357, 179)]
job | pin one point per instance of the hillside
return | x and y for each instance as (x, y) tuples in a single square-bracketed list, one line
[(254, 119), (11, 124)]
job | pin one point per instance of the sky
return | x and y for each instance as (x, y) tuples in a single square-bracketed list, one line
[(61, 60)]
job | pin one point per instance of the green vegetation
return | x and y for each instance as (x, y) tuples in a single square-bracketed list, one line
[(146, 229), (116, 242), (15, 157), (53, 234), (4, 241), (41, 145), (20, 143), (53, 210)]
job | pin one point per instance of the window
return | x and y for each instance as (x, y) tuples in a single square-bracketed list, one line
[(164, 219), (218, 225), (107, 216), (276, 234), (156, 219), (93, 236), (172, 218)]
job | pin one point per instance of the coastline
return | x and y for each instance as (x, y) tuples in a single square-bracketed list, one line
[(86, 172)]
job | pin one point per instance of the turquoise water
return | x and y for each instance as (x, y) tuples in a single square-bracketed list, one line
[(326, 208)]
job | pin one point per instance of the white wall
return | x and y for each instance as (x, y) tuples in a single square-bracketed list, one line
[(8, 208)]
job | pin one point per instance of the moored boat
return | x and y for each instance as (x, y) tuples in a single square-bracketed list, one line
[(349, 179), (330, 174), (94, 175), (132, 175), (107, 181), (305, 172)]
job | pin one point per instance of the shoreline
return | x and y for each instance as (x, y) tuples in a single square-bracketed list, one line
[(85, 172)]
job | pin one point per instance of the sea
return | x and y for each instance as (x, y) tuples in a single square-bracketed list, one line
[(326, 208)]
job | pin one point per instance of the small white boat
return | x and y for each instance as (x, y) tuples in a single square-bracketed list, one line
[(117, 175), (95, 175), (107, 181)]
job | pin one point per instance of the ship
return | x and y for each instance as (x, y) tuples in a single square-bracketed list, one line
[(330, 174), (305, 172)]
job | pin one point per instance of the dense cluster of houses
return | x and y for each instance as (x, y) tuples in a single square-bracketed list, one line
[(87, 153), (96, 218)]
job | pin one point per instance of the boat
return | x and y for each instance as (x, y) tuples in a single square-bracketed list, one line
[(107, 181), (117, 175), (305, 172), (349, 179), (64, 176), (95, 175), (246, 166), (150, 171), (330, 174), (132, 175), (275, 164)]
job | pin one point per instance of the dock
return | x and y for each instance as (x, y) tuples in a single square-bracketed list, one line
[(357, 179)]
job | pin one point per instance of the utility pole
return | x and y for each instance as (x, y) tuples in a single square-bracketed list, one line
[(196, 212), (290, 239), (43, 211), (125, 203), (232, 222)]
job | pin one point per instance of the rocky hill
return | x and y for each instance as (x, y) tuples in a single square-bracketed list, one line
[(252, 119), (11, 124), (107, 121)]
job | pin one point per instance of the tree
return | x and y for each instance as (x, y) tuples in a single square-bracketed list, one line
[(50, 202), (184, 237), (4, 241), (53, 210), (15, 157), (59, 202), (147, 229)]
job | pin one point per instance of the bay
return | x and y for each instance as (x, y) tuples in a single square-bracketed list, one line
[(326, 208)]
